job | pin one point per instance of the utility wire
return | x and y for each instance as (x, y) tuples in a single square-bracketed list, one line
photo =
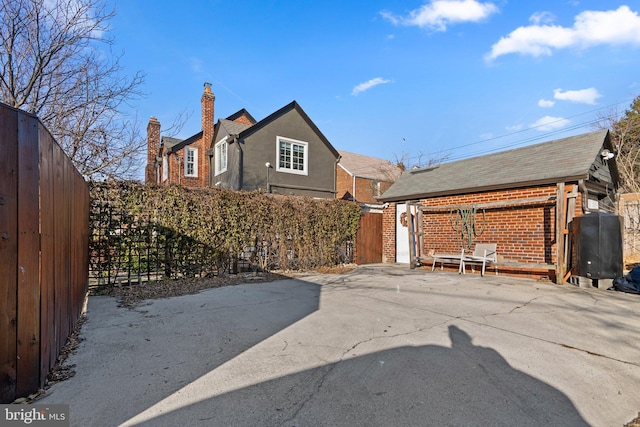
[(522, 141)]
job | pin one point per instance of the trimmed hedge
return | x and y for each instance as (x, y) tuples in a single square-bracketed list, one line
[(138, 229)]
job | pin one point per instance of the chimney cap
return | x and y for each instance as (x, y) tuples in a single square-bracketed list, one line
[(207, 87)]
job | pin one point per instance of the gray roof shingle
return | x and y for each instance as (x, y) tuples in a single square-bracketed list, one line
[(233, 128), (170, 142), (554, 161), (369, 167)]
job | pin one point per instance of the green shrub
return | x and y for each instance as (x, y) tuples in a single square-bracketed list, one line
[(141, 229)]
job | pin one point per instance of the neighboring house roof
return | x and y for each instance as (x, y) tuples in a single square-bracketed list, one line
[(241, 113), (369, 167), (178, 144), (242, 130), (233, 128), (291, 106), (169, 142), (561, 160)]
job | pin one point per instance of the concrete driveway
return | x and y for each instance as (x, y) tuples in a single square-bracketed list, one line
[(380, 346)]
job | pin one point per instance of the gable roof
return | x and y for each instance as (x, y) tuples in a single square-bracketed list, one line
[(240, 113), (168, 142), (561, 160), (289, 107), (368, 167), (179, 144), (233, 128)]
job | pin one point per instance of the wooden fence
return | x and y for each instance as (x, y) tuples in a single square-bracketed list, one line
[(369, 239), (44, 234)]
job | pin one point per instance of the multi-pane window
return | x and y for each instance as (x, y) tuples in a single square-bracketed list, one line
[(191, 162), (221, 157), (292, 156)]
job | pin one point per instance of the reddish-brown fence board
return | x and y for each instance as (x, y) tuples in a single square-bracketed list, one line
[(28, 255), (48, 350), (369, 239), (44, 231), (8, 252)]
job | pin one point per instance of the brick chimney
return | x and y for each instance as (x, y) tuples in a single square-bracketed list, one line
[(208, 99), (153, 150)]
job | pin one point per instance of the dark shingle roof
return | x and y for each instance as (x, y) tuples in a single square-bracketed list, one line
[(292, 106), (554, 161), (241, 113), (170, 142), (233, 128)]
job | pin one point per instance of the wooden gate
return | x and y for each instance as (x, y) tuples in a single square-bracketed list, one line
[(369, 239)]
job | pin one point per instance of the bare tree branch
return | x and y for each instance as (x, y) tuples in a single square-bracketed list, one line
[(625, 134), (56, 63)]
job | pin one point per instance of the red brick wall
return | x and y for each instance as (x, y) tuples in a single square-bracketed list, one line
[(522, 233), (364, 189), (176, 168), (244, 120), (208, 120), (344, 184), (176, 159), (384, 186), (389, 234)]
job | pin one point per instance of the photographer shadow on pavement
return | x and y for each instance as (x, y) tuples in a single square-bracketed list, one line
[(463, 384)]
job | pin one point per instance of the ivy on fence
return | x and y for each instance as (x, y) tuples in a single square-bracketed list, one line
[(141, 232)]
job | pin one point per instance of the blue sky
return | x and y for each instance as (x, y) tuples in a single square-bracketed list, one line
[(429, 79)]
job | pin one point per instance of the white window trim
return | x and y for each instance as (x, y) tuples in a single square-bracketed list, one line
[(304, 144), (195, 162), (218, 168), (165, 168)]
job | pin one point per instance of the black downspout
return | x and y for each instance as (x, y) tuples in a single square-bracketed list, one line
[(238, 183)]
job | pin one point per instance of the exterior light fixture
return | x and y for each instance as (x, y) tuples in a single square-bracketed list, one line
[(268, 166)]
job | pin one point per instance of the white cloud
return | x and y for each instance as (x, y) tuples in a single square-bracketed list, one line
[(591, 28), (542, 18), (544, 103), (548, 123), (583, 96), (368, 85), (56, 12), (438, 14), (514, 128)]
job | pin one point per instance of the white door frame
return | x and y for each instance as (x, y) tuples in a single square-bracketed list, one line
[(402, 233)]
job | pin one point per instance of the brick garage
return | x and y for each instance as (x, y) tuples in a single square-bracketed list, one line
[(516, 195)]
